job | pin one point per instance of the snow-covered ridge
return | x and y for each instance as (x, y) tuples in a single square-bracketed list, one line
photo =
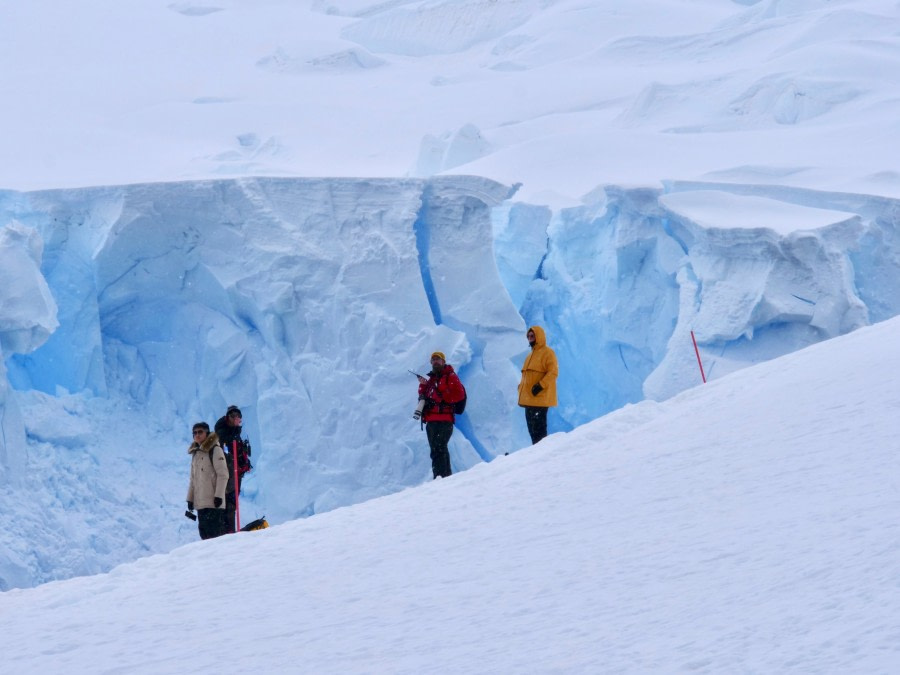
[(560, 95)]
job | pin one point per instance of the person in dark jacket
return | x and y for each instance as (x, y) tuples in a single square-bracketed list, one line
[(537, 389), (440, 390), (228, 429), (206, 490)]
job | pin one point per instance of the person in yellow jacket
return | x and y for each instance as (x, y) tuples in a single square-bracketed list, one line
[(537, 390)]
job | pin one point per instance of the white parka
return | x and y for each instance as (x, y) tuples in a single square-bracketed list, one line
[(209, 473)]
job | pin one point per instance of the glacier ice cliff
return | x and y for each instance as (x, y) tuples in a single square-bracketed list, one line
[(27, 318), (305, 301)]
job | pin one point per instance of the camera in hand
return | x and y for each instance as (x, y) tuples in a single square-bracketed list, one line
[(419, 409)]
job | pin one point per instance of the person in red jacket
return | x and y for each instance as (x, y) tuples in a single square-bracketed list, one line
[(440, 390)]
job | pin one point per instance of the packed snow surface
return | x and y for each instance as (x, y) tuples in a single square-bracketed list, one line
[(747, 525)]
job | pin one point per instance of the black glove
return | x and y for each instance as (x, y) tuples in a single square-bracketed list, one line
[(536, 389), (217, 502), (190, 506)]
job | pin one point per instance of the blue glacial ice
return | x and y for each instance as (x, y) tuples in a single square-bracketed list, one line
[(130, 312)]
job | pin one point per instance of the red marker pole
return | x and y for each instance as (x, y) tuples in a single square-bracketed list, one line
[(237, 486), (699, 362)]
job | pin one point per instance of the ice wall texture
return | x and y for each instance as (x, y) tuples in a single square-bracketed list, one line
[(303, 301), (27, 318), (306, 301), (621, 282)]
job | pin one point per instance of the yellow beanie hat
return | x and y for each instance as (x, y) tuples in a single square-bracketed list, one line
[(438, 354)]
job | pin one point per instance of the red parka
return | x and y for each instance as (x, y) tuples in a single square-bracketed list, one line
[(441, 392)]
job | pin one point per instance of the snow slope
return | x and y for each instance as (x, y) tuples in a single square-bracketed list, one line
[(747, 525)]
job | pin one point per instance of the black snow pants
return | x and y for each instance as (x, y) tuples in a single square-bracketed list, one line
[(536, 419), (439, 434), (211, 522), (229, 513)]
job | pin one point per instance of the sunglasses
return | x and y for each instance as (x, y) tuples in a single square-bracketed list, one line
[(197, 432)]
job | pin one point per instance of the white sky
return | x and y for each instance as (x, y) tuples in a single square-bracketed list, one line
[(747, 525)]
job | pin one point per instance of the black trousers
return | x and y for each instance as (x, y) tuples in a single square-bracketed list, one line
[(536, 419), (439, 434), (228, 517), (211, 522)]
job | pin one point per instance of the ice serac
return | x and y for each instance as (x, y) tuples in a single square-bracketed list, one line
[(753, 294), (467, 295), (74, 227), (520, 244), (754, 271), (27, 318)]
